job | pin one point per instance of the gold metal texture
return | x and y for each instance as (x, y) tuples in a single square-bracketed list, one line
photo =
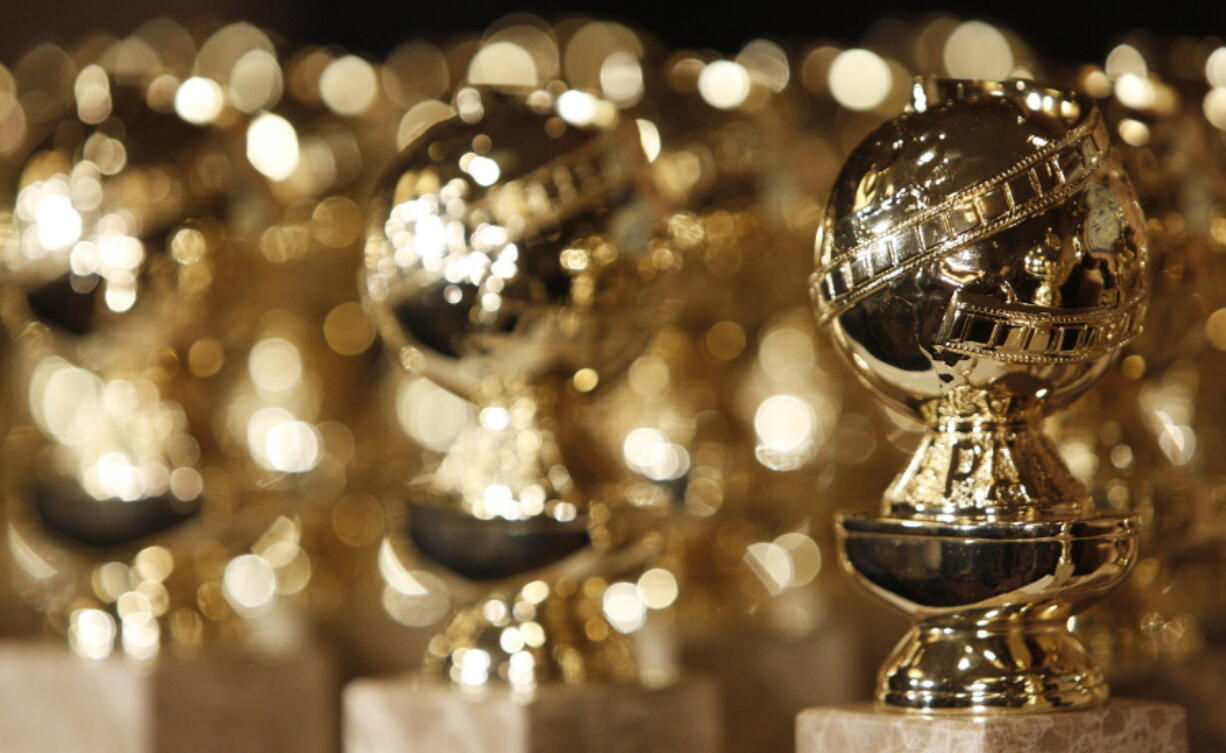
[(511, 263), (502, 245), (982, 259), (175, 408), (111, 246)]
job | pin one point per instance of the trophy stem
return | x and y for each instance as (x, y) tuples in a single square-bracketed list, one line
[(993, 470), (543, 633), (997, 664)]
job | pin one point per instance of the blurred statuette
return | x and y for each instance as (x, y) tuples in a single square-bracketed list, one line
[(511, 264)]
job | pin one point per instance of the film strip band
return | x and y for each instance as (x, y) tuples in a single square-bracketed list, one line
[(1034, 185), (566, 186), (977, 325)]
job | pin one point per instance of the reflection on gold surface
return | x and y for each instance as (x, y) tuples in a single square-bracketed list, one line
[(981, 370), (158, 427), (724, 84), (1149, 448), (348, 85), (199, 100), (272, 146), (588, 266), (470, 227)]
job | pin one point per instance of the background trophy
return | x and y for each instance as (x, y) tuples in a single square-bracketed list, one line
[(981, 260), (1145, 440), (512, 261), (138, 518), (742, 382)]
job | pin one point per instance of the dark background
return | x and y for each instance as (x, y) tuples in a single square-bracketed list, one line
[(1060, 30)]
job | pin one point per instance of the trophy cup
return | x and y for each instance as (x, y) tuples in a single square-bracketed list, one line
[(512, 263), (981, 260)]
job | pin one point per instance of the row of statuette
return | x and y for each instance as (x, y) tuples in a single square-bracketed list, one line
[(508, 360)]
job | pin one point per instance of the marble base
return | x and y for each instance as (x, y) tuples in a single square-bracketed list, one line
[(1123, 726), (54, 702), (406, 715)]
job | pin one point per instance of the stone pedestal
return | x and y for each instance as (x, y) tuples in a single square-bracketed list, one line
[(1123, 726), (407, 715), (54, 702)]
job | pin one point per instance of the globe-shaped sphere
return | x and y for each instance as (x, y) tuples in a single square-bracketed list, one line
[(983, 252), (89, 240), (512, 240)]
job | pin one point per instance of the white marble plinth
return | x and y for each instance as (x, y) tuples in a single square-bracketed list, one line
[(407, 715), (52, 701), (1123, 726)]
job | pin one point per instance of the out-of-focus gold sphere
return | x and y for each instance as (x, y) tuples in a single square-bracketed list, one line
[(984, 242), (512, 240), (511, 256)]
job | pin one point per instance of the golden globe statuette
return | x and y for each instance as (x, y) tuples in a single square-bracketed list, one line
[(512, 263), (106, 265), (981, 260), (126, 522)]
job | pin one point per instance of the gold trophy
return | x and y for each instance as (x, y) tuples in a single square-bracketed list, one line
[(981, 260), (511, 263), (163, 414), (1144, 441), (105, 282), (152, 441)]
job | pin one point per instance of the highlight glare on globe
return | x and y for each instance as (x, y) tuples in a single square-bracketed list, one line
[(511, 230)]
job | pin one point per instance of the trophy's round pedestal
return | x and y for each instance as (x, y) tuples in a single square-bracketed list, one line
[(408, 715), (54, 702), (1122, 726)]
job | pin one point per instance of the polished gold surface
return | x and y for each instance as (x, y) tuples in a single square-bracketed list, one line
[(981, 260), (595, 410), (107, 273), (174, 436), (513, 265)]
